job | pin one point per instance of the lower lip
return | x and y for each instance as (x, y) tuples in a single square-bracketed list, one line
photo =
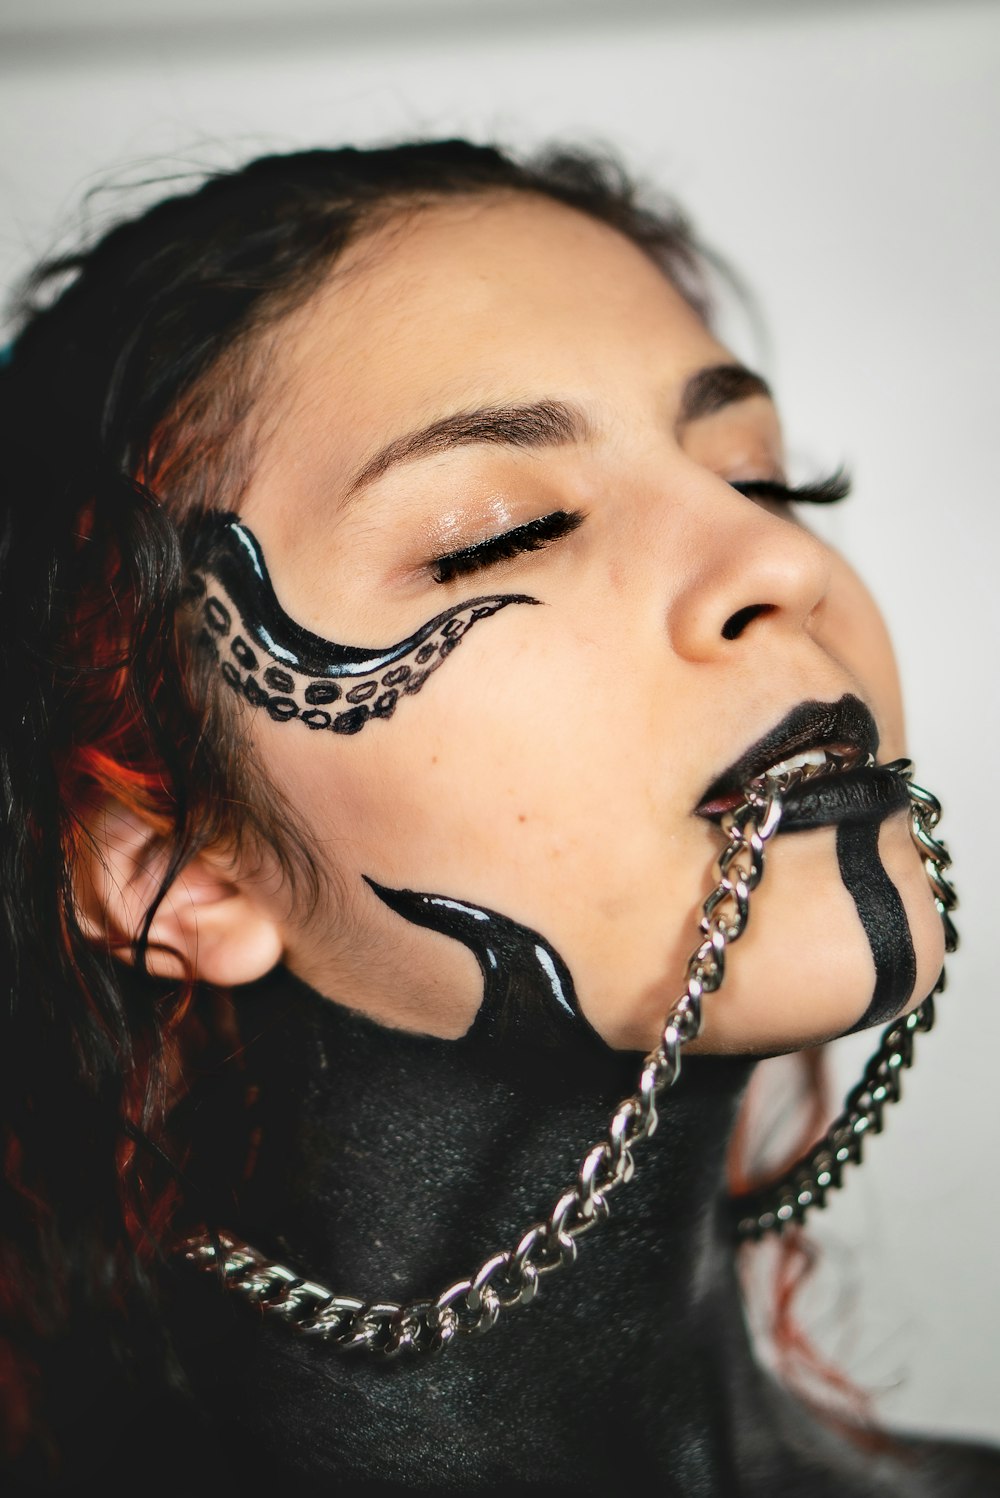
[(858, 796)]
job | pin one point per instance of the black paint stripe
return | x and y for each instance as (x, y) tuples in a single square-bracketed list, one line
[(883, 917)]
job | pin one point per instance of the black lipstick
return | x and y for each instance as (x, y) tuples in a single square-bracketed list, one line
[(850, 787), (867, 795)]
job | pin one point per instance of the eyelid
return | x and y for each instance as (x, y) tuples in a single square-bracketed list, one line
[(536, 534), (533, 535)]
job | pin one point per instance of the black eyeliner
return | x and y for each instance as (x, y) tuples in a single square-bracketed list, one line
[(532, 536)]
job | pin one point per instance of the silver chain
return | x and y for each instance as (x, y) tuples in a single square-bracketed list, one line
[(511, 1277), (820, 1170)]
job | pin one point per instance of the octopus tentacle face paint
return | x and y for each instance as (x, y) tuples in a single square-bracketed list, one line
[(529, 998), (458, 424), (292, 673)]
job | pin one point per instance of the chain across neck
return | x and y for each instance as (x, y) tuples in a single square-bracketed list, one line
[(511, 1277)]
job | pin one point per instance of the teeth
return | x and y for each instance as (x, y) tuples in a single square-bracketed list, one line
[(810, 759)]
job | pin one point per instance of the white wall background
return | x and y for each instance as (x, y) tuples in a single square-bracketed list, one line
[(846, 156)]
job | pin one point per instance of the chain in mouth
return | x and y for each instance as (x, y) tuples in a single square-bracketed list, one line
[(805, 766), (833, 786), (832, 742), (812, 764)]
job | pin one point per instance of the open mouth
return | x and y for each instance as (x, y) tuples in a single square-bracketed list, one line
[(822, 754)]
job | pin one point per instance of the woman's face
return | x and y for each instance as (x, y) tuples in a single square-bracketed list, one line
[(549, 768)]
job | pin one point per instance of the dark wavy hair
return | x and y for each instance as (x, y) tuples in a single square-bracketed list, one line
[(126, 406)]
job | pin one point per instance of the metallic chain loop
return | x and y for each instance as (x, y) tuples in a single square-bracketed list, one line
[(821, 1170), (471, 1307)]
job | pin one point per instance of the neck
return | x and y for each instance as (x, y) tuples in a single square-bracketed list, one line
[(392, 1165), (404, 1161)]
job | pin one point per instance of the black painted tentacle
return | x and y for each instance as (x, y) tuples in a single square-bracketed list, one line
[(529, 997), (277, 664)]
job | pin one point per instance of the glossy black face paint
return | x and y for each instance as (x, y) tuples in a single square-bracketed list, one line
[(855, 798), (278, 665), (529, 999), (858, 810), (881, 912)]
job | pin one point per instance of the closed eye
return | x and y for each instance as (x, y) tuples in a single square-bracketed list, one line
[(825, 492), (532, 536)]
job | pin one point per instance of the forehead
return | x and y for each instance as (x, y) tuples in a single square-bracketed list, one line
[(470, 290), (473, 302)]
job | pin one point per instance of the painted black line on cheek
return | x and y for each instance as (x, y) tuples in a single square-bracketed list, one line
[(883, 917), (529, 998)]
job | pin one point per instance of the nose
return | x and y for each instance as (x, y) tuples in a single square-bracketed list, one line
[(750, 569)]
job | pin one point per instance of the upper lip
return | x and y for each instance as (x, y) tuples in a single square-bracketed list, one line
[(847, 724)]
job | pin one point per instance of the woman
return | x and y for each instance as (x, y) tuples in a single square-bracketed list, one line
[(334, 945)]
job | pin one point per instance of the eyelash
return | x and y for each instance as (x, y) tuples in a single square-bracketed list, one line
[(824, 492), (535, 535), (532, 536)]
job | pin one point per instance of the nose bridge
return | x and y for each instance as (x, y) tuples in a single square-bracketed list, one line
[(745, 569)]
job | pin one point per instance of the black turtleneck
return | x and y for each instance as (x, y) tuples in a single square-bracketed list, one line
[(390, 1165)]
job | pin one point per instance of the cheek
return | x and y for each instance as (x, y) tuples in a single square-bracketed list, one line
[(851, 629), (527, 780), (503, 762), (548, 775)]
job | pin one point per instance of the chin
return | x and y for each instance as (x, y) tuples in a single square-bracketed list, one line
[(905, 868), (818, 959)]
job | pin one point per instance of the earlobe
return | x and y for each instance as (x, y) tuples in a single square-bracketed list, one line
[(209, 926)]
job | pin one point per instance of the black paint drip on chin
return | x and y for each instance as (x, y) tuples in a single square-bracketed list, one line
[(529, 999), (883, 917)]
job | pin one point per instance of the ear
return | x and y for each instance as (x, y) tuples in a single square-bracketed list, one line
[(211, 924)]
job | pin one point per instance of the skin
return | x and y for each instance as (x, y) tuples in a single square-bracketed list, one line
[(550, 769)]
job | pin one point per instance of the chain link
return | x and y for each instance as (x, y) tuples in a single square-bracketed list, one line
[(821, 1170), (510, 1278)]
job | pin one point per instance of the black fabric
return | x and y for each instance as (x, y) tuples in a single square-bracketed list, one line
[(391, 1164)]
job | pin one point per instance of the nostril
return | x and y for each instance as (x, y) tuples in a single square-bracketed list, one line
[(737, 623)]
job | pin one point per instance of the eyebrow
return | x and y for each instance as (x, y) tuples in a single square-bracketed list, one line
[(545, 423), (710, 390), (548, 423)]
